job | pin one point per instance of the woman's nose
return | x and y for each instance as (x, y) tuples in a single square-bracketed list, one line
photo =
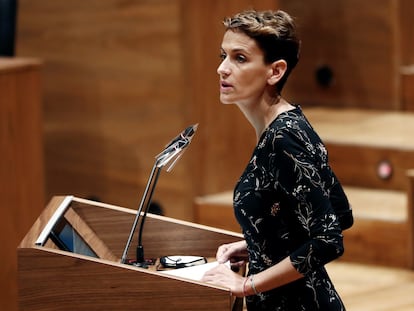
[(223, 69)]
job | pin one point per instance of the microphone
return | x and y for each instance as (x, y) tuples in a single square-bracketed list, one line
[(173, 150), (175, 147), (183, 137)]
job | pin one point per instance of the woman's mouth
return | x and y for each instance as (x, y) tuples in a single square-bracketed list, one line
[(225, 86)]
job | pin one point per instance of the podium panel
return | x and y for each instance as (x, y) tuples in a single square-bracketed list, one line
[(70, 260)]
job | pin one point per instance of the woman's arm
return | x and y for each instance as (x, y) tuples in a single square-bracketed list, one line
[(278, 275), (275, 276)]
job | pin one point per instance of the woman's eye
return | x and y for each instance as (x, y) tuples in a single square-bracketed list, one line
[(222, 56), (240, 58)]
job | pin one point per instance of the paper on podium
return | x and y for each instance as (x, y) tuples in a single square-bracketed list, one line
[(195, 272)]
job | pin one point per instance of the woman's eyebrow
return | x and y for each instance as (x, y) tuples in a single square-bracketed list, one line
[(236, 50)]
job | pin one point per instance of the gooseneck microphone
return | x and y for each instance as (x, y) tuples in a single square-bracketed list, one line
[(174, 149), (184, 136), (171, 153)]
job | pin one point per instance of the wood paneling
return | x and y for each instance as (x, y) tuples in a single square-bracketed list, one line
[(114, 96), (406, 27), (21, 166), (358, 165), (410, 215), (359, 41), (51, 279), (407, 88), (359, 140), (120, 84), (226, 138), (121, 79), (216, 210)]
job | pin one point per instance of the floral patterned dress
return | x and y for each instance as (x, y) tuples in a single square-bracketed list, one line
[(283, 204)]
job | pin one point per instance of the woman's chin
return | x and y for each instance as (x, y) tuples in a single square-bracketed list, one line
[(225, 100)]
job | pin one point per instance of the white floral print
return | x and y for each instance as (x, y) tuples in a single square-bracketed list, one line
[(285, 203)]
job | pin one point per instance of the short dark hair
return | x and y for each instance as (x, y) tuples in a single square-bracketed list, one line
[(274, 32)]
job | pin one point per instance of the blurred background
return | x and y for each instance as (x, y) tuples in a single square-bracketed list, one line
[(91, 91)]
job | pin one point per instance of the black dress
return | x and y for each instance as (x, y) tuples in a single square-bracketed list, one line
[(284, 207)]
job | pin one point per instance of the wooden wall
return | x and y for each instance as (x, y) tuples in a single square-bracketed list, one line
[(124, 77), (121, 79), (113, 95), (226, 138), (407, 54), (362, 45), (21, 166)]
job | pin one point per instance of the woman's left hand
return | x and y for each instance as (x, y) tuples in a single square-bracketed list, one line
[(224, 276)]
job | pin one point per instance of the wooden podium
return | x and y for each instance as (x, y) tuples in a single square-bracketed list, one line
[(88, 274)]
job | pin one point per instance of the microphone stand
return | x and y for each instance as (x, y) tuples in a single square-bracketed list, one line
[(171, 153)]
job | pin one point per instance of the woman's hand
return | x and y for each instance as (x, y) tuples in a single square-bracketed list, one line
[(223, 276), (235, 252)]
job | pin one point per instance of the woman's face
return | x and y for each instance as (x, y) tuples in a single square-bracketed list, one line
[(243, 73)]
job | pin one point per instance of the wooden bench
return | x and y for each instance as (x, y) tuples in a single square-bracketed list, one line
[(358, 141)]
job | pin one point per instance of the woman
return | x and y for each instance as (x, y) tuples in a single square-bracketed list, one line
[(288, 201)]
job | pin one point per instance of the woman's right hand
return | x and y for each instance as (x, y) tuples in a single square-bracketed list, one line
[(235, 252)]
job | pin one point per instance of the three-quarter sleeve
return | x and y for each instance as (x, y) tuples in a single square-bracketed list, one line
[(307, 196)]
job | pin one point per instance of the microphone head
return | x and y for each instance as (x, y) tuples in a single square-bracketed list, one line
[(190, 131)]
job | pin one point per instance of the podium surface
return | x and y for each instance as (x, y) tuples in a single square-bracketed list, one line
[(84, 271)]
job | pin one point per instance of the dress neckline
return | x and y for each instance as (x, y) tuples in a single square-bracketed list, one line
[(297, 109)]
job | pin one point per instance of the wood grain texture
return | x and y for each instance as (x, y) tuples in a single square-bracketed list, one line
[(49, 278), (226, 138), (114, 96), (407, 88), (162, 236), (22, 189), (406, 26), (121, 79), (359, 42), (410, 215), (359, 140)]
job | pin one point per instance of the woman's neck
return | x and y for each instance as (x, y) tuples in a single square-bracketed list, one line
[(261, 115)]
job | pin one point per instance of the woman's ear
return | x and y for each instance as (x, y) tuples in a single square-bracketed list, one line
[(278, 69)]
